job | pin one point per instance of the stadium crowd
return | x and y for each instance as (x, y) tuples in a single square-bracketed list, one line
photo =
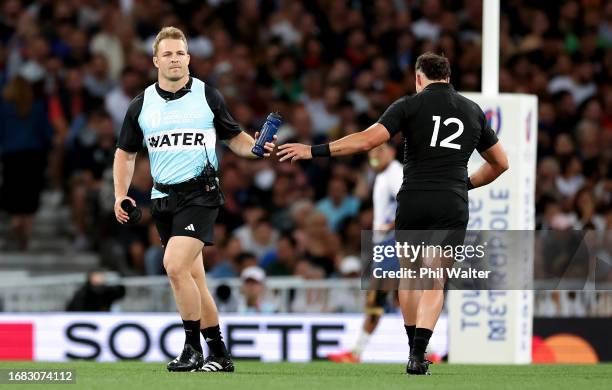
[(68, 70)]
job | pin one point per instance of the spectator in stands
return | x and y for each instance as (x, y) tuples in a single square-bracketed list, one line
[(253, 291), (571, 178), (256, 235), (97, 78), (311, 300), (89, 158), (338, 204), (231, 267), (25, 138), (118, 99), (318, 243), (282, 260), (586, 213)]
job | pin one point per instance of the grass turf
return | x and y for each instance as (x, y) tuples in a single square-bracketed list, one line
[(324, 375)]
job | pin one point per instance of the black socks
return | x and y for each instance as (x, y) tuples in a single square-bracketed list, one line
[(192, 334), (214, 340), (421, 339), (410, 333)]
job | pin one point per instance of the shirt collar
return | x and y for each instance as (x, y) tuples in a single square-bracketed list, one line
[(438, 86), (167, 95)]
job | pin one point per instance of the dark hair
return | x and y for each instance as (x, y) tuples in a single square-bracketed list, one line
[(434, 66), (289, 237), (244, 256)]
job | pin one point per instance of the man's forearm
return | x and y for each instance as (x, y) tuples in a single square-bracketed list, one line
[(350, 144), (123, 170), (242, 145), (485, 174), (360, 142)]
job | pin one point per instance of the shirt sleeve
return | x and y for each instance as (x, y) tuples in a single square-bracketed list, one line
[(131, 136), (397, 114), (225, 125), (487, 138)]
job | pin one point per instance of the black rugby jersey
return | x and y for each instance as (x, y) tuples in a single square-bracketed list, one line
[(441, 129)]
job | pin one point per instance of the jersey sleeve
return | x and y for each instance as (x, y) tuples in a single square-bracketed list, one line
[(397, 114), (226, 126), (487, 138), (131, 136)]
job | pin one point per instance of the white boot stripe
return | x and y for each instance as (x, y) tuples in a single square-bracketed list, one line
[(217, 365)]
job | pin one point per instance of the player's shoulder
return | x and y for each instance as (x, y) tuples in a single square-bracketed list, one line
[(213, 96), (135, 105), (468, 104), (138, 98), (410, 98), (409, 103)]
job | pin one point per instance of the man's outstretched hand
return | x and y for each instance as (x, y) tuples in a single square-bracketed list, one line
[(294, 152)]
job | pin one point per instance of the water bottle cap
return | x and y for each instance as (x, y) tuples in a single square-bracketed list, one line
[(275, 115)]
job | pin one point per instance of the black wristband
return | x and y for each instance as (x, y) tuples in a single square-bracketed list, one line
[(470, 186), (321, 150)]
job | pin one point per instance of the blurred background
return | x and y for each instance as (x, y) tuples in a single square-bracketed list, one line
[(288, 236)]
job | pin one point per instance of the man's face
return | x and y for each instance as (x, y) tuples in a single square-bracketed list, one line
[(172, 59), (252, 289)]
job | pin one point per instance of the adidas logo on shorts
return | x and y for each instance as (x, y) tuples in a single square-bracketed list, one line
[(190, 227)]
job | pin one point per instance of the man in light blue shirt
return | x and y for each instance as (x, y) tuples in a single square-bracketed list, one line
[(180, 119)]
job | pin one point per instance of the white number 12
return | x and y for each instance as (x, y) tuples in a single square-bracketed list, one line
[(446, 142)]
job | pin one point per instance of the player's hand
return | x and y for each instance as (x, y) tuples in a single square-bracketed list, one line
[(268, 146), (120, 214), (294, 152)]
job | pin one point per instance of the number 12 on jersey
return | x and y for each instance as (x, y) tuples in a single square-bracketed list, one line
[(446, 142)]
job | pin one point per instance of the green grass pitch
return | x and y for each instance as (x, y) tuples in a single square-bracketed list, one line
[(324, 375)]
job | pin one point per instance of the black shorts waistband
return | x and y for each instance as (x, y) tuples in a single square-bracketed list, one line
[(195, 184)]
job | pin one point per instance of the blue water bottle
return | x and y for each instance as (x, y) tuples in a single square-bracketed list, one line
[(268, 131)]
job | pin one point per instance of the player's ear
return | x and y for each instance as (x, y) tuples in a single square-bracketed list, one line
[(188, 59), (155, 62)]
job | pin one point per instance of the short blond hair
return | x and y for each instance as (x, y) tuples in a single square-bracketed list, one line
[(169, 32)]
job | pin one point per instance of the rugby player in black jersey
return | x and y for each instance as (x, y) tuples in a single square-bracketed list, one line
[(441, 129)]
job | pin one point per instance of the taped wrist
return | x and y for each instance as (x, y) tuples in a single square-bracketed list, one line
[(321, 150)]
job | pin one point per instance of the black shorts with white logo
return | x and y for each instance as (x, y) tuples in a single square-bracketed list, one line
[(184, 214)]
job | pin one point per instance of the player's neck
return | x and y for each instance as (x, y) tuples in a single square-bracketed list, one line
[(429, 82), (172, 86)]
